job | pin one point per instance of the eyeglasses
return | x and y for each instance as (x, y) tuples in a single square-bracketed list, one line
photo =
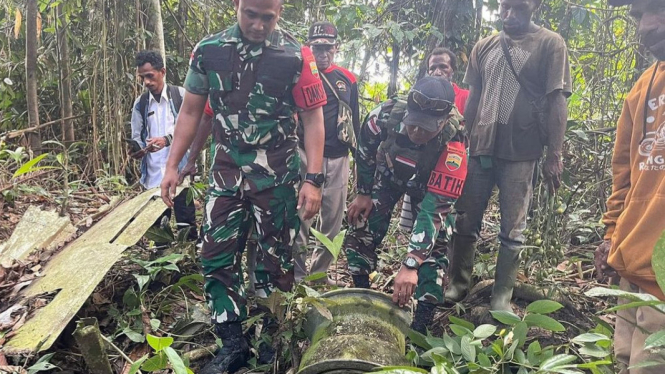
[(428, 104)]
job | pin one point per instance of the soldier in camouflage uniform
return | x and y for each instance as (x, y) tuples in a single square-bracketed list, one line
[(256, 78), (417, 146)]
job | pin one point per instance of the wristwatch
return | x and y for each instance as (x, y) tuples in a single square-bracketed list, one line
[(316, 179), (411, 263)]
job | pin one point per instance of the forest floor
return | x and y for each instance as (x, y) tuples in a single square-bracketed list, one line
[(158, 291)]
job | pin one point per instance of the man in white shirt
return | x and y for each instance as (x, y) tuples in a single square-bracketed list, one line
[(153, 122)]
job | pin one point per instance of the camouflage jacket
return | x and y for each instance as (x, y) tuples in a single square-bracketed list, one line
[(434, 172), (254, 91)]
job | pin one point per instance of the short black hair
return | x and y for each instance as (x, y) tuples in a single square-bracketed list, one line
[(153, 58), (439, 51)]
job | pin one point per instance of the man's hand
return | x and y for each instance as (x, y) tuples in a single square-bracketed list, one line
[(156, 144), (169, 185), (189, 170), (309, 198), (359, 208), (405, 285), (603, 270), (552, 169), (138, 154)]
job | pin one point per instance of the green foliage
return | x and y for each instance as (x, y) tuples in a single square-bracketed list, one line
[(42, 364), (483, 349), (334, 246)]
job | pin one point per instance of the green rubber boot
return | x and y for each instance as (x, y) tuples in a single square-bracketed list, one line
[(460, 269), (507, 264)]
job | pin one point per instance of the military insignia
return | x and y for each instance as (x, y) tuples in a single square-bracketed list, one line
[(453, 161), (341, 86), (373, 127), (403, 160), (314, 68)]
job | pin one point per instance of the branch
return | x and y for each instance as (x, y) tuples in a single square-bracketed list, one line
[(17, 133)]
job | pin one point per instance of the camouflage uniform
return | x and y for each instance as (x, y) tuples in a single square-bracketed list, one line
[(255, 163), (382, 174)]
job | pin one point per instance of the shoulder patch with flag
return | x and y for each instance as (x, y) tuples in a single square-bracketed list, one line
[(373, 127)]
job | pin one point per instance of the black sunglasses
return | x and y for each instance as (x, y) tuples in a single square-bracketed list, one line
[(428, 104)]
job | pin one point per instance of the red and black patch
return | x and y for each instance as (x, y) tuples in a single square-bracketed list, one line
[(449, 175), (314, 94)]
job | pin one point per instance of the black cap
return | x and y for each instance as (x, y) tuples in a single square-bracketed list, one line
[(430, 101), (322, 33), (620, 2)]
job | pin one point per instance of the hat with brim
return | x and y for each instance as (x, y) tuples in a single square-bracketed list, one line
[(322, 33), (620, 2), (423, 120), (430, 101)]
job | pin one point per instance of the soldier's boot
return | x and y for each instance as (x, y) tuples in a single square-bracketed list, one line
[(361, 281), (423, 317), (461, 269), (234, 353), (507, 265)]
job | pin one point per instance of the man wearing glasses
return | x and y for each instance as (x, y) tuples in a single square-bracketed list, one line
[(415, 146)]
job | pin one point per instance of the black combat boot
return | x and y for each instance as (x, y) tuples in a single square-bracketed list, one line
[(361, 281), (234, 353), (423, 317)]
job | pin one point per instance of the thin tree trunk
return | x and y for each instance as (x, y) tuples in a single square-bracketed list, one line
[(156, 22), (394, 70), (66, 82), (34, 139)]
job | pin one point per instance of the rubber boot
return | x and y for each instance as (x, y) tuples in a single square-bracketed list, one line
[(423, 317), (361, 281), (507, 264), (460, 269), (234, 353)]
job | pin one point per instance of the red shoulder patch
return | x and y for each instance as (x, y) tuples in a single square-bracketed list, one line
[(449, 175)]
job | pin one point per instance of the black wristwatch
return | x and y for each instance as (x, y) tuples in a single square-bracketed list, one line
[(316, 179), (411, 263)]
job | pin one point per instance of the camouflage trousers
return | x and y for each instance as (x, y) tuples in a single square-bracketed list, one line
[(228, 218), (361, 242)]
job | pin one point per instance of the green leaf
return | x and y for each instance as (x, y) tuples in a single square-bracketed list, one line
[(154, 324), (459, 330), (323, 239), (133, 335), (655, 340), (658, 261), (590, 337), (310, 291), (440, 351), (543, 307), (176, 362), (29, 166), (468, 351), (557, 361), (42, 364), (156, 362), (315, 277), (484, 331), (594, 351), (322, 309), (657, 304), (505, 317), (159, 235), (484, 361), (519, 333), (452, 345), (544, 322), (419, 339), (634, 296), (462, 322), (533, 353), (159, 343), (137, 365), (338, 241), (645, 364), (142, 280)]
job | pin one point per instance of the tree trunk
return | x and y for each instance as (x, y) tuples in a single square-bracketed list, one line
[(34, 140), (158, 31), (394, 70), (66, 83)]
